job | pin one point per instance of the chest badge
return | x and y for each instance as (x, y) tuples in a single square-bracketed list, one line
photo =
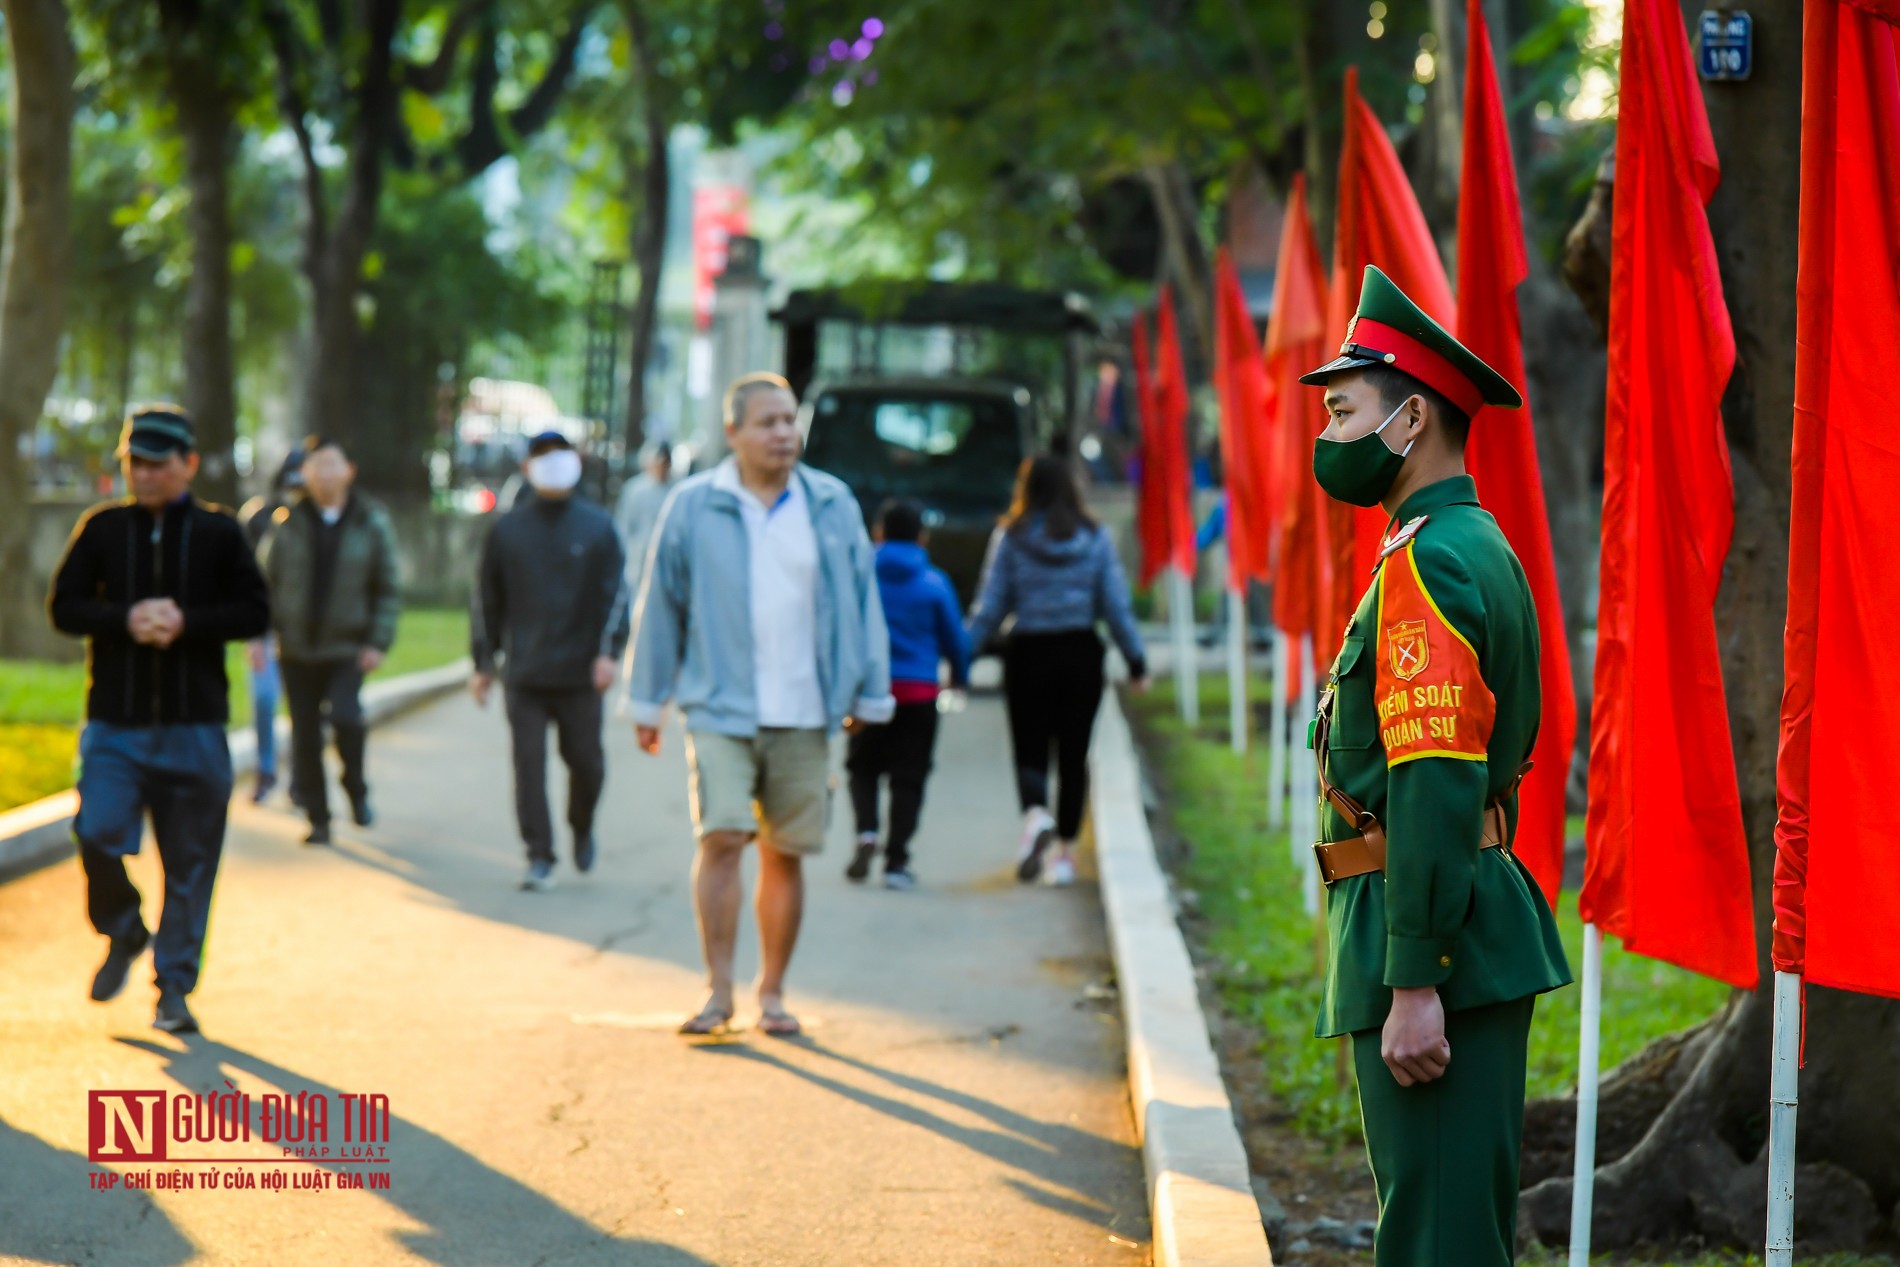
[(1409, 647), (1402, 535)]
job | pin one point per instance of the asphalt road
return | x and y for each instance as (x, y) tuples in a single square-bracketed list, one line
[(959, 1098)]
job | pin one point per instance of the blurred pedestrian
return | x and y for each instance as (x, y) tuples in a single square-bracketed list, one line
[(766, 658), (926, 628), (156, 584), (551, 616), (260, 516), (1055, 570), (638, 508), (335, 601)]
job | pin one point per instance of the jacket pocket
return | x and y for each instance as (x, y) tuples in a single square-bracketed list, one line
[(1354, 724)]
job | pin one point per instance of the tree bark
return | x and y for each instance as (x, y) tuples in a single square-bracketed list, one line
[(1699, 1171), (206, 121), (649, 229), (32, 275)]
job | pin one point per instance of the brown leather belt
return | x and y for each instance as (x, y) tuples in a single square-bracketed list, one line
[(1362, 855), (1365, 853)]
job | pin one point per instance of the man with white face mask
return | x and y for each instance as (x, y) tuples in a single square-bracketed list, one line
[(551, 614)]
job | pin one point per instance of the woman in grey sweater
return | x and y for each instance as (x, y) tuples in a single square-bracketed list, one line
[(1054, 569)]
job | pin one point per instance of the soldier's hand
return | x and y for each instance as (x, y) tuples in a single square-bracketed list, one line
[(1413, 1042), (648, 738), (478, 684)]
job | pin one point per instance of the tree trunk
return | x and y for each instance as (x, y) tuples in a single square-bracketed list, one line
[(1699, 1171), (206, 122), (32, 276), (649, 230), (335, 267)]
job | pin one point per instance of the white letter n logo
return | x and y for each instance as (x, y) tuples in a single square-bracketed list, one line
[(126, 1125)]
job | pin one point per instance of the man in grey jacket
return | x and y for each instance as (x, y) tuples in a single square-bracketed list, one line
[(551, 612), (759, 617)]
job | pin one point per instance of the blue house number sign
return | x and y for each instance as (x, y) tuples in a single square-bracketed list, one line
[(1727, 44)]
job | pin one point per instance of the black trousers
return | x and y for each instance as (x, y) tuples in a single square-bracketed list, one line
[(902, 752), (1052, 684), (320, 691), (575, 715)]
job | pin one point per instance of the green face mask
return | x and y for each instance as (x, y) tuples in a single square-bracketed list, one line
[(1359, 471)]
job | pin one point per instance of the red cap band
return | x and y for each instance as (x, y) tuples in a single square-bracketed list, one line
[(1414, 358)]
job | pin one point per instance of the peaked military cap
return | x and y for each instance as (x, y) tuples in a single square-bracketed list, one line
[(1390, 329)]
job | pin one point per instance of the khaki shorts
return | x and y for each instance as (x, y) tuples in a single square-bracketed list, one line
[(776, 786)]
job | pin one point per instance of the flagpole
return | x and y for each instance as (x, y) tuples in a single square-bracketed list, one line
[(1278, 739), (1237, 668), (1583, 1184), (1181, 622), (1784, 1092)]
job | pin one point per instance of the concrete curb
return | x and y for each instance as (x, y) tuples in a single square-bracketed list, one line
[(1200, 1190), (40, 833)]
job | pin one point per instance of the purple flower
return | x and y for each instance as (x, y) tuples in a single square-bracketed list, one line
[(773, 31), (873, 27), (841, 93), (839, 50)]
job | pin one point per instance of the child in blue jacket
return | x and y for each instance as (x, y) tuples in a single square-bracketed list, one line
[(920, 607)]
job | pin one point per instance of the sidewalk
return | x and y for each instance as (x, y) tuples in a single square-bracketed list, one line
[(958, 1101)]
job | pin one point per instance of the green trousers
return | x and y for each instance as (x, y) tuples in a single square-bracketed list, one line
[(1444, 1154)]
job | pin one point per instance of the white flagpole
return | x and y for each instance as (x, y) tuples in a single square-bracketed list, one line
[(1583, 1184), (1309, 786), (1279, 739), (1181, 622), (1784, 1091), (1237, 668)]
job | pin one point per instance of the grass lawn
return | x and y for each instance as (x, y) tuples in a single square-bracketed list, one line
[(1264, 950), (42, 704)]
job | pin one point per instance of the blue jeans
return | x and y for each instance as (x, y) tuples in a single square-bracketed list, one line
[(266, 689), (181, 775)]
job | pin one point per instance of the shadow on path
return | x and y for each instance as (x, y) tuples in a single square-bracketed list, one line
[(120, 1226), (473, 1215)]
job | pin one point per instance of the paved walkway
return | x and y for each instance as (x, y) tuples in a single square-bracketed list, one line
[(957, 1100)]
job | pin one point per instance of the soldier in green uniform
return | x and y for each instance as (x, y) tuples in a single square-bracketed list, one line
[(1439, 938)]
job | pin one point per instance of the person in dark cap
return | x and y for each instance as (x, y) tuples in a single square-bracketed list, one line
[(551, 617), (156, 584), (1438, 937)]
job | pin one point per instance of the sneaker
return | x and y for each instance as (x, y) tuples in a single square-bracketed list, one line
[(360, 811), (1039, 831), (173, 1016), (1061, 871), (124, 951), (540, 877), (584, 853), (319, 834), (901, 880), (266, 784), (860, 868)]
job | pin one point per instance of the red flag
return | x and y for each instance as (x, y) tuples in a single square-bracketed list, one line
[(1248, 458), (1502, 452), (1668, 865), (1837, 892), (1378, 222), (1296, 342), (1167, 463), (1151, 511)]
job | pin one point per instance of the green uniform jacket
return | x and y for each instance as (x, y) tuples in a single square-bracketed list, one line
[(1434, 707), (364, 601)]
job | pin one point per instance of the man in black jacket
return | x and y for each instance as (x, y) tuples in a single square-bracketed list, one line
[(156, 584), (551, 609)]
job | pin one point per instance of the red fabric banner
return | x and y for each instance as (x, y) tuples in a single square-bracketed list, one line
[(1151, 508), (1668, 865), (1296, 342), (1249, 460), (1378, 222), (1164, 515), (1837, 891), (1502, 452)]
